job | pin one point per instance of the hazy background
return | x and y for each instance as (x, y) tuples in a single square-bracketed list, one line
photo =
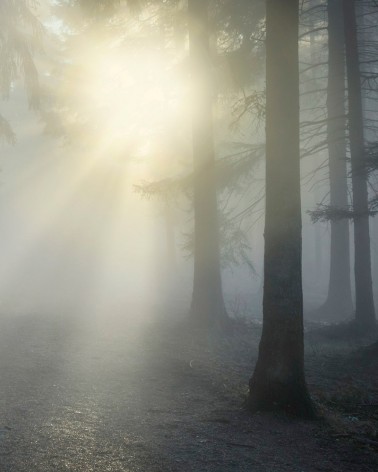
[(76, 236)]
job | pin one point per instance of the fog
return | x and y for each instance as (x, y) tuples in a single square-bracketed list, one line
[(76, 235), (188, 235), (73, 240), (84, 240)]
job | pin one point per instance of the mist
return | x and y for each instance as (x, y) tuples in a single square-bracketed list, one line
[(189, 256)]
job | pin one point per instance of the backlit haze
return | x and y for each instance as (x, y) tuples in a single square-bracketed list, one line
[(77, 236)]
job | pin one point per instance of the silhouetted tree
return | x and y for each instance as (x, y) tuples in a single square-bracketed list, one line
[(365, 311), (339, 298), (207, 307), (278, 381)]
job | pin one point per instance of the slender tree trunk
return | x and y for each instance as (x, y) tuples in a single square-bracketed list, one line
[(207, 308), (365, 311), (317, 191), (339, 300), (278, 381)]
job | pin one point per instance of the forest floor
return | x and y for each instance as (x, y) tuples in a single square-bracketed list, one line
[(107, 394)]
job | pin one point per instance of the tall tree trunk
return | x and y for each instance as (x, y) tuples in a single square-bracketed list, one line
[(339, 301), (317, 190), (365, 311), (207, 308), (278, 381)]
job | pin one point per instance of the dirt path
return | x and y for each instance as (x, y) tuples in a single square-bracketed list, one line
[(118, 397)]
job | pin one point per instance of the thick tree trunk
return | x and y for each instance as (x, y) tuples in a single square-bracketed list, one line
[(278, 381), (365, 311), (207, 308), (339, 301)]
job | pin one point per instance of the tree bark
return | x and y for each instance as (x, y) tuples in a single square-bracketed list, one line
[(339, 301), (365, 311), (278, 382), (207, 308)]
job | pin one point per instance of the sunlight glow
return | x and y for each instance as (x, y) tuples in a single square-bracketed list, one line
[(124, 108), (134, 100)]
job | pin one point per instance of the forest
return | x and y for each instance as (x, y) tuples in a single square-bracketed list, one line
[(189, 235)]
